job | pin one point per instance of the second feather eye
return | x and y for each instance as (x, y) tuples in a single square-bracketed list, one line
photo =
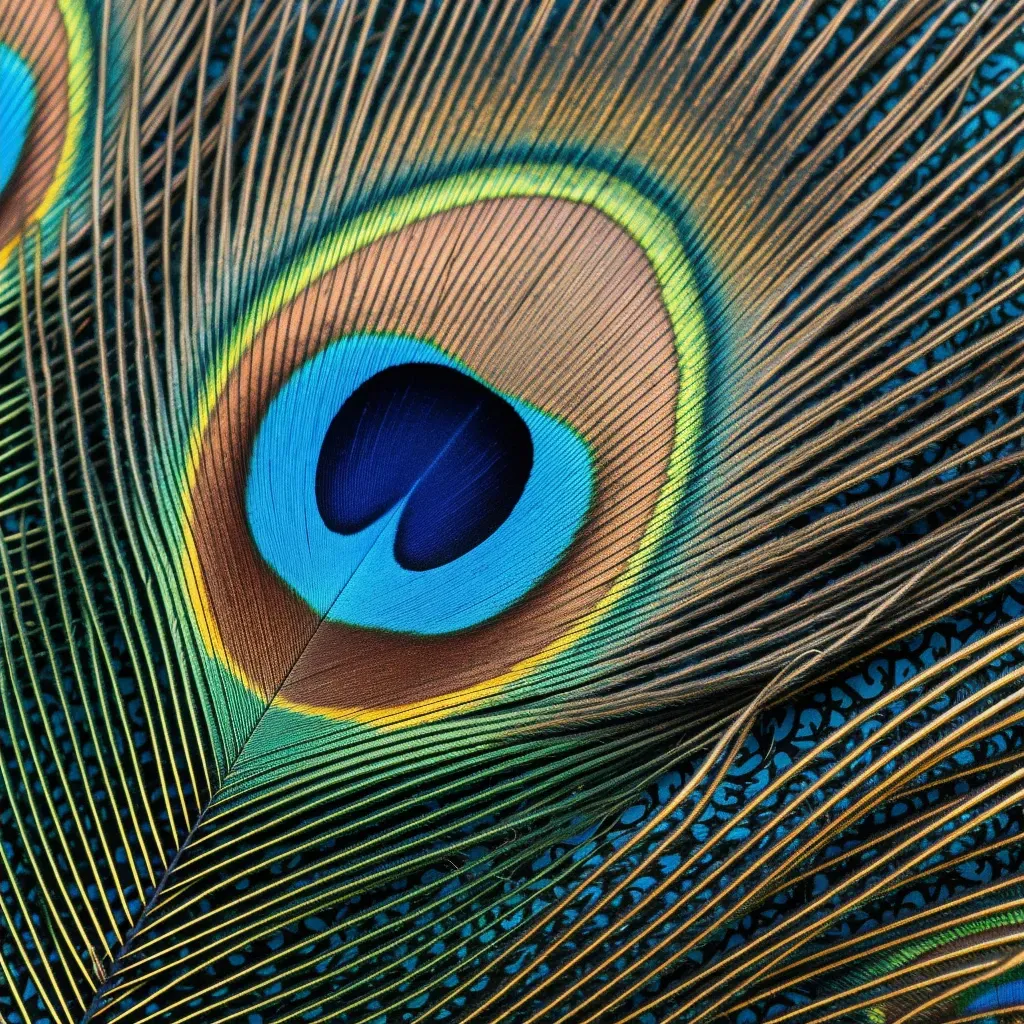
[(45, 91)]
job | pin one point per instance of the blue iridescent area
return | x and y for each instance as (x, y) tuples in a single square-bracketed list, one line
[(1007, 995), (17, 105), (390, 488), (457, 452)]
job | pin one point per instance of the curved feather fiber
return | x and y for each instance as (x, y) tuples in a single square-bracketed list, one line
[(511, 512)]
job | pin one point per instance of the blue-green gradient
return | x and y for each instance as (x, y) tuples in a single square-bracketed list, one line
[(355, 578)]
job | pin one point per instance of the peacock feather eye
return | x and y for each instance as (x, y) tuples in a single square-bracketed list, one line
[(437, 478), (45, 89), (459, 454)]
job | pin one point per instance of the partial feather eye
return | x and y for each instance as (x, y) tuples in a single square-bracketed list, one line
[(934, 979), (45, 88), (436, 460)]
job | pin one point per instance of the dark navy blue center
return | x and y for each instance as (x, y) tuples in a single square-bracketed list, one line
[(458, 452)]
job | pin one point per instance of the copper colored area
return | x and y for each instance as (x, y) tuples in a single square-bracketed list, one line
[(546, 299), (35, 30)]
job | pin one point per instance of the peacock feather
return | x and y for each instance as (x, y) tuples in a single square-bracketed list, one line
[(511, 511)]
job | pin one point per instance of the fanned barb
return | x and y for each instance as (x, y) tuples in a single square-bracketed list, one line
[(511, 511)]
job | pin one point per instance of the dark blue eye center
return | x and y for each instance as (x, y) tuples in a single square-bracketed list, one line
[(459, 454)]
